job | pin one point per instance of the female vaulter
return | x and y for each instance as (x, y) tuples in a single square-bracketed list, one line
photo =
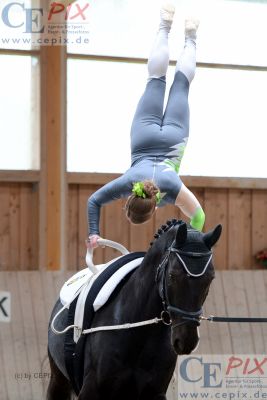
[(158, 140)]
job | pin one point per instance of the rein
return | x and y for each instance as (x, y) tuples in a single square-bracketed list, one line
[(211, 318)]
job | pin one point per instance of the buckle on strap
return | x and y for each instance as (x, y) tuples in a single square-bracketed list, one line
[(166, 318)]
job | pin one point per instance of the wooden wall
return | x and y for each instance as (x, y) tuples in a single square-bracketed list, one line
[(19, 236), (241, 211), (240, 205), (23, 341)]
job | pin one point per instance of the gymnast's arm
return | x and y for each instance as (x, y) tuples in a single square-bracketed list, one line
[(190, 206), (114, 190)]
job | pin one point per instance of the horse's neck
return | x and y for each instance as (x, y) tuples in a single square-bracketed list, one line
[(145, 288)]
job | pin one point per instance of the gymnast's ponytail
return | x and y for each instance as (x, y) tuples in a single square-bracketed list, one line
[(142, 203)]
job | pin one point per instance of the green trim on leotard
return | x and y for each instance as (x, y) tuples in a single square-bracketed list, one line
[(198, 219), (175, 156)]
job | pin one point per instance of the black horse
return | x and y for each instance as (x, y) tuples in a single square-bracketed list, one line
[(138, 363)]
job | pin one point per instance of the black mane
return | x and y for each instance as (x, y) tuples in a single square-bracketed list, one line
[(166, 227)]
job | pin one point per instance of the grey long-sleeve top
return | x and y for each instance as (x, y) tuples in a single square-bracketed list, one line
[(154, 168)]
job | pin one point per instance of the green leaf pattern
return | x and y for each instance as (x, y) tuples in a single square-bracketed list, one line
[(173, 163)]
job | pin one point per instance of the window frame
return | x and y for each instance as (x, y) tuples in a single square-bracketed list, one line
[(143, 61)]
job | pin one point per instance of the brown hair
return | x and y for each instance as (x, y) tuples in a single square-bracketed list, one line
[(139, 209)]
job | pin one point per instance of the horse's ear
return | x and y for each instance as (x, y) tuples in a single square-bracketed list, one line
[(212, 237), (181, 235)]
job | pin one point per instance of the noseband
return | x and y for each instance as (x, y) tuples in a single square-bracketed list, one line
[(187, 317)]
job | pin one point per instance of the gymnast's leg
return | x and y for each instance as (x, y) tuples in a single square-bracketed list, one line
[(176, 119), (149, 111), (177, 109)]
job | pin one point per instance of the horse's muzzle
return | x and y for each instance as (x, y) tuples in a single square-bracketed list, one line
[(184, 338)]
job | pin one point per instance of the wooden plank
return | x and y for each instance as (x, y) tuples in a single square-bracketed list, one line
[(216, 210), (116, 227), (9, 384), (141, 235), (261, 296), (14, 226), (230, 307), (53, 157), (259, 223), (190, 181), (51, 295), (41, 325), (164, 214), (206, 332), (246, 333), (18, 340), (200, 194), (236, 303), (29, 329), (220, 341), (3, 379), (251, 284), (204, 342), (35, 224), (73, 234), (4, 227), (207, 335), (140, 60), (19, 52), (26, 230), (239, 231), (19, 226), (19, 176), (224, 182), (89, 178)]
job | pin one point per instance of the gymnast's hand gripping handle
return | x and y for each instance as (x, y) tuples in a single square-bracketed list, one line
[(102, 243)]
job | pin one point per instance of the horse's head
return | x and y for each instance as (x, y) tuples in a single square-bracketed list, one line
[(184, 275)]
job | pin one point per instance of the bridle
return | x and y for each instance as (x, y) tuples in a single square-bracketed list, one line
[(186, 317)]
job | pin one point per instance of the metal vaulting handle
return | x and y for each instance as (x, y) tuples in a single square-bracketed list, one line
[(103, 243)]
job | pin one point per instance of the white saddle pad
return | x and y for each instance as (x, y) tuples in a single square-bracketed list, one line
[(73, 286), (81, 284)]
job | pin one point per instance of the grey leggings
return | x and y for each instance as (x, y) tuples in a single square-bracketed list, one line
[(154, 131)]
